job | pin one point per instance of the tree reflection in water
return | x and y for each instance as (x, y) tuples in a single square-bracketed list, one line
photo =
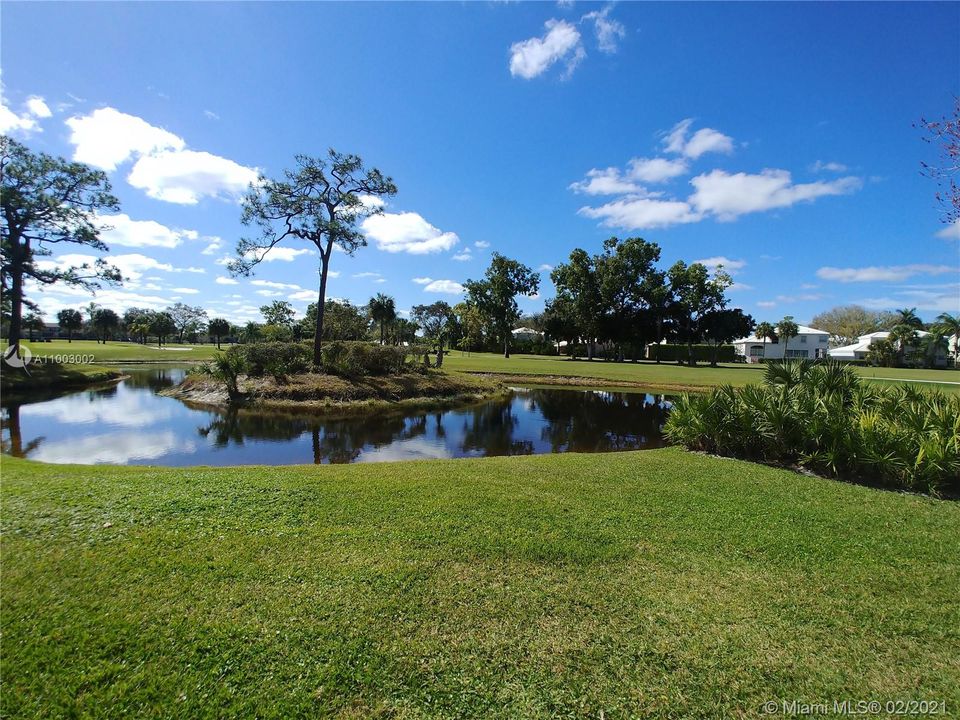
[(600, 421), (490, 429)]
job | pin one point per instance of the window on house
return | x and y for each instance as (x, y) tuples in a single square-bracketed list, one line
[(797, 354), (803, 339)]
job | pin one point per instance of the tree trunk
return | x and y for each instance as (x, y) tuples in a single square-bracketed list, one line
[(321, 298), (159, 340), (382, 331), (218, 342), (69, 335), (506, 344), (440, 355), (16, 310)]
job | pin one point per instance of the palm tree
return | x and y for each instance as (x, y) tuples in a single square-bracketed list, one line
[(949, 325), (766, 331), (787, 329), (903, 336), (908, 316), (932, 344), (383, 310)]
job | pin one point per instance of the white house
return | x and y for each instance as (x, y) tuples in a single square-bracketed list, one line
[(859, 349), (525, 333), (809, 343)]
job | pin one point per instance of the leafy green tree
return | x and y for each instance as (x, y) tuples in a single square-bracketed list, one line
[(766, 331), (724, 326), (495, 295), (404, 331), (696, 295), (320, 202), (70, 320), (383, 311), (105, 322), (33, 322), (219, 328), (187, 319), (137, 322), (47, 202), (904, 337), (625, 268), (471, 326), (882, 353), (279, 312), (162, 325), (787, 329), (560, 323), (846, 323), (933, 346), (435, 321), (662, 304), (578, 289), (251, 332)]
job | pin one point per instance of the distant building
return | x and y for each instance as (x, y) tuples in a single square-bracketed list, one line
[(525, 333), (859, 349), (809, 343)]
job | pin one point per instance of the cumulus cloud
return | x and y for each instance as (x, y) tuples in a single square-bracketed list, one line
[(107, 137), (641, 213), (225, 281), (604, 182), (186, 176), (407, 232), (482, 244), (121, 229), (422, 280), (132, 265), (278, 254), (448, 287), (888, 273), (560, 43), (701, 142), (655, 170), (275, 285), (26, 122), (933, 298), (462, 256), (37, 107), (608, 31), (728, 196), (164, 168)]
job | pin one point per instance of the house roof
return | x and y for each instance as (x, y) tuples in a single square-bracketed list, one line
[(801, 330)]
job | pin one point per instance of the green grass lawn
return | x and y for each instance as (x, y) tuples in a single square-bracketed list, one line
[(652, 584), (665, 375), (123, 351)]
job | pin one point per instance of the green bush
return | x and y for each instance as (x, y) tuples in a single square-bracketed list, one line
[(822, 416), (357, 358), (277, 359)]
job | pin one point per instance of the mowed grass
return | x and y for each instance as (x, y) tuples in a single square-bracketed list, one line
[(123, 351), (655, 584), (666, 375)]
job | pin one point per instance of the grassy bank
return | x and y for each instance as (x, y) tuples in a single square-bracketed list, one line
[(656, 584), (312, 391), (666, 376), (51, 376), (121, 352)]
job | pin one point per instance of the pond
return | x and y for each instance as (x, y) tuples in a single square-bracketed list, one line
[(129, 423)]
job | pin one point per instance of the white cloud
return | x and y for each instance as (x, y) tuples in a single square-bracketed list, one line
[(731, 266), (185, 290), (37, 107), (728, 196), (951, 232), (608, 32), (366, 275), (275, 285), (407, 232), (656, 170), (819, 166), (210, 115), (463, 256), (642, 213), (482, 244), (936, 298), (279, 254), (107, 137), (605, 182), (270, 293), (889, 273), (532, 57), (766, 304), (186, 176), (422, 280), (309, 295), (225, 281), (545, 268), (140, 233), (214, 245), (703, 141), (444, 286)]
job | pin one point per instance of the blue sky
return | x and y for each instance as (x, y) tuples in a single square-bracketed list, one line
[(776, 138)]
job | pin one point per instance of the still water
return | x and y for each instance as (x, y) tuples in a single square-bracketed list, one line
[(129, 424)]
